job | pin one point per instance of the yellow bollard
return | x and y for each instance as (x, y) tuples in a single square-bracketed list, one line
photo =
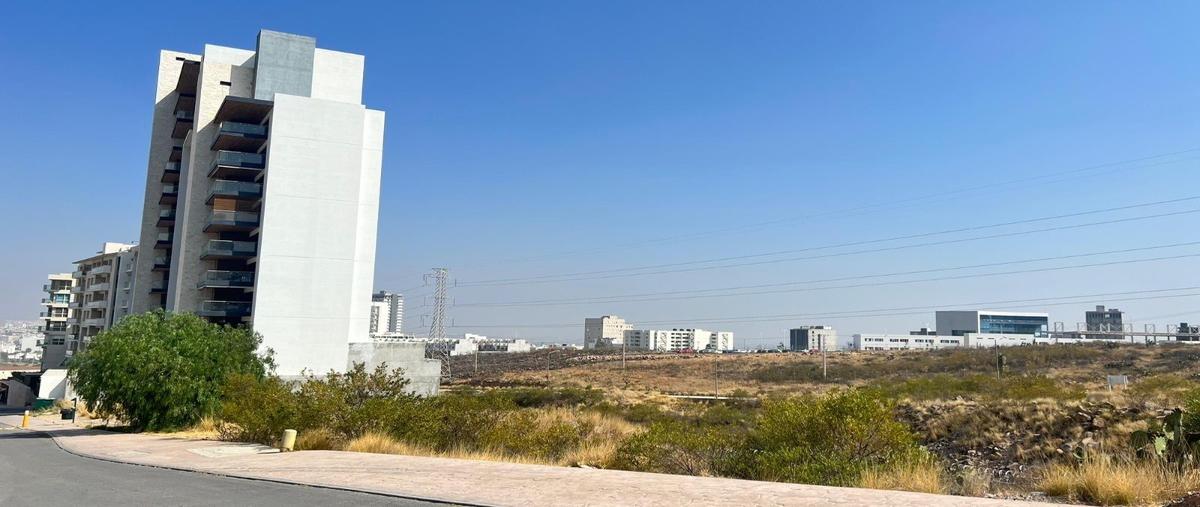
[(25, 420), (288, 441)]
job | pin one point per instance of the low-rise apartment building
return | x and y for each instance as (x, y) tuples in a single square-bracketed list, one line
[(678, 339), (812, 338), (57, 322), (104, 285)]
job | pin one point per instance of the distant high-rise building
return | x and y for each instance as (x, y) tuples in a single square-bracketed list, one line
[(57, 328), (387, 313), (1105, 320), (262, 196), (606, 331), (818, 338), (104, 284)]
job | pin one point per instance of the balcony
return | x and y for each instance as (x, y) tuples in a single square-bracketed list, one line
[(96, 322), (220, 220), (102, 269), (171, 172), (55, 303), (225, 249), (242, 190), (162, 263), (170, 194), (216, 279), (158, 287), (235, 164), (96, 287), (77, 289), (56, 288), (176, 154), (238, 136), (163, 241), (183, 123), (100, 303), (224, 309), (166, 218)]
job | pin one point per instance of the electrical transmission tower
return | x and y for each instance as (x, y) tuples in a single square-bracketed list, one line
[(437, 324)]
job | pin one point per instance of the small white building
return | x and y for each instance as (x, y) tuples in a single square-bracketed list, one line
[(883, 341), (678, 339), (606, 331)]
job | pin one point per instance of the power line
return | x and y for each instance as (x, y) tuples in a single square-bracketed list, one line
[(618, 272), (691, 294), (872, 312), (881, 206)]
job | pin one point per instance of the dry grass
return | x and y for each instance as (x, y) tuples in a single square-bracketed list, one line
[(1118, 482), (377, 443), (921, 476), (319, 439)]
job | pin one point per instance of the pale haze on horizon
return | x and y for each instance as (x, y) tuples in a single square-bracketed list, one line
[(622, 143)]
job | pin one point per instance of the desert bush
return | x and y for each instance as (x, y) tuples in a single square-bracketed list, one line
[(677, 447), (831, 439), (543, 435), (358, 401), (161, 370), (534, 397), (644, 412), (452, 420), (257, 409), (376, 442)]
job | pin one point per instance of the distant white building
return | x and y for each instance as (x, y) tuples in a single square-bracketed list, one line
[(958, 323), (606, 331), (678, 339), (818, 338), (883, 341), (387, 313)]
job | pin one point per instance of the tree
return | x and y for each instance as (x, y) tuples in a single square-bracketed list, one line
[(163, 370)]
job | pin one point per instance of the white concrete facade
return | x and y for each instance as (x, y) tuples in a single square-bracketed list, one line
[(606, 331), (262, 196), (959, 322)]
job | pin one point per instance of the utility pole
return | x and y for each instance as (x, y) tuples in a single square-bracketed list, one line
[(824, 360), (548, 352), (716, 378), (437, 324), (624, 373)]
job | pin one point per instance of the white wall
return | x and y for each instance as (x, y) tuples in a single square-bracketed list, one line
[(317, 240)]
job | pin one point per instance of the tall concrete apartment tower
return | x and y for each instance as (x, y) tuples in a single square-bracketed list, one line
[(262, 196), (56, 318)]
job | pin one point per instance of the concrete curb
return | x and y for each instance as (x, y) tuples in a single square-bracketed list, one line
[(57, 443)]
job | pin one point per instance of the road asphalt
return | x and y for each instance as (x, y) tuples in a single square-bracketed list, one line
[(36, 472)]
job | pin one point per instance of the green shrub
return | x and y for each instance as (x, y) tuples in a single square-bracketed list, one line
[(358, 401), (451, 420), (1165, 389), (527, 433), (258, 409), (161, 370), (830, 439), (644, 413), (535, 397), (678, 447)]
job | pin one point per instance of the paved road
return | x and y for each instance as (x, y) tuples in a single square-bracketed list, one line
[(35, 472)]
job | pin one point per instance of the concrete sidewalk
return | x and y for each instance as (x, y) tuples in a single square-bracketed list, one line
[(464, 481)]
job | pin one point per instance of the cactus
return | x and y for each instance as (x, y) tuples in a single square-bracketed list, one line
[(1169, 441)]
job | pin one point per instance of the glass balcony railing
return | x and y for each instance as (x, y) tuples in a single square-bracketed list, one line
[(159, 287), (224, 309), (223, 248), (162, 262), (222, 279), (163, 240), (231, 220), (231, 163), (170, 188), (237, 128), (166, 214), (184, 115), (236, 189), (238, 136)]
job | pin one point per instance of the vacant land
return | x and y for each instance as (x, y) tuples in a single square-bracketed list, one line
[(1080, 366)]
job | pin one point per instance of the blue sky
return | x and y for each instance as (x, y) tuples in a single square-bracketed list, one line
[(518, 131)]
